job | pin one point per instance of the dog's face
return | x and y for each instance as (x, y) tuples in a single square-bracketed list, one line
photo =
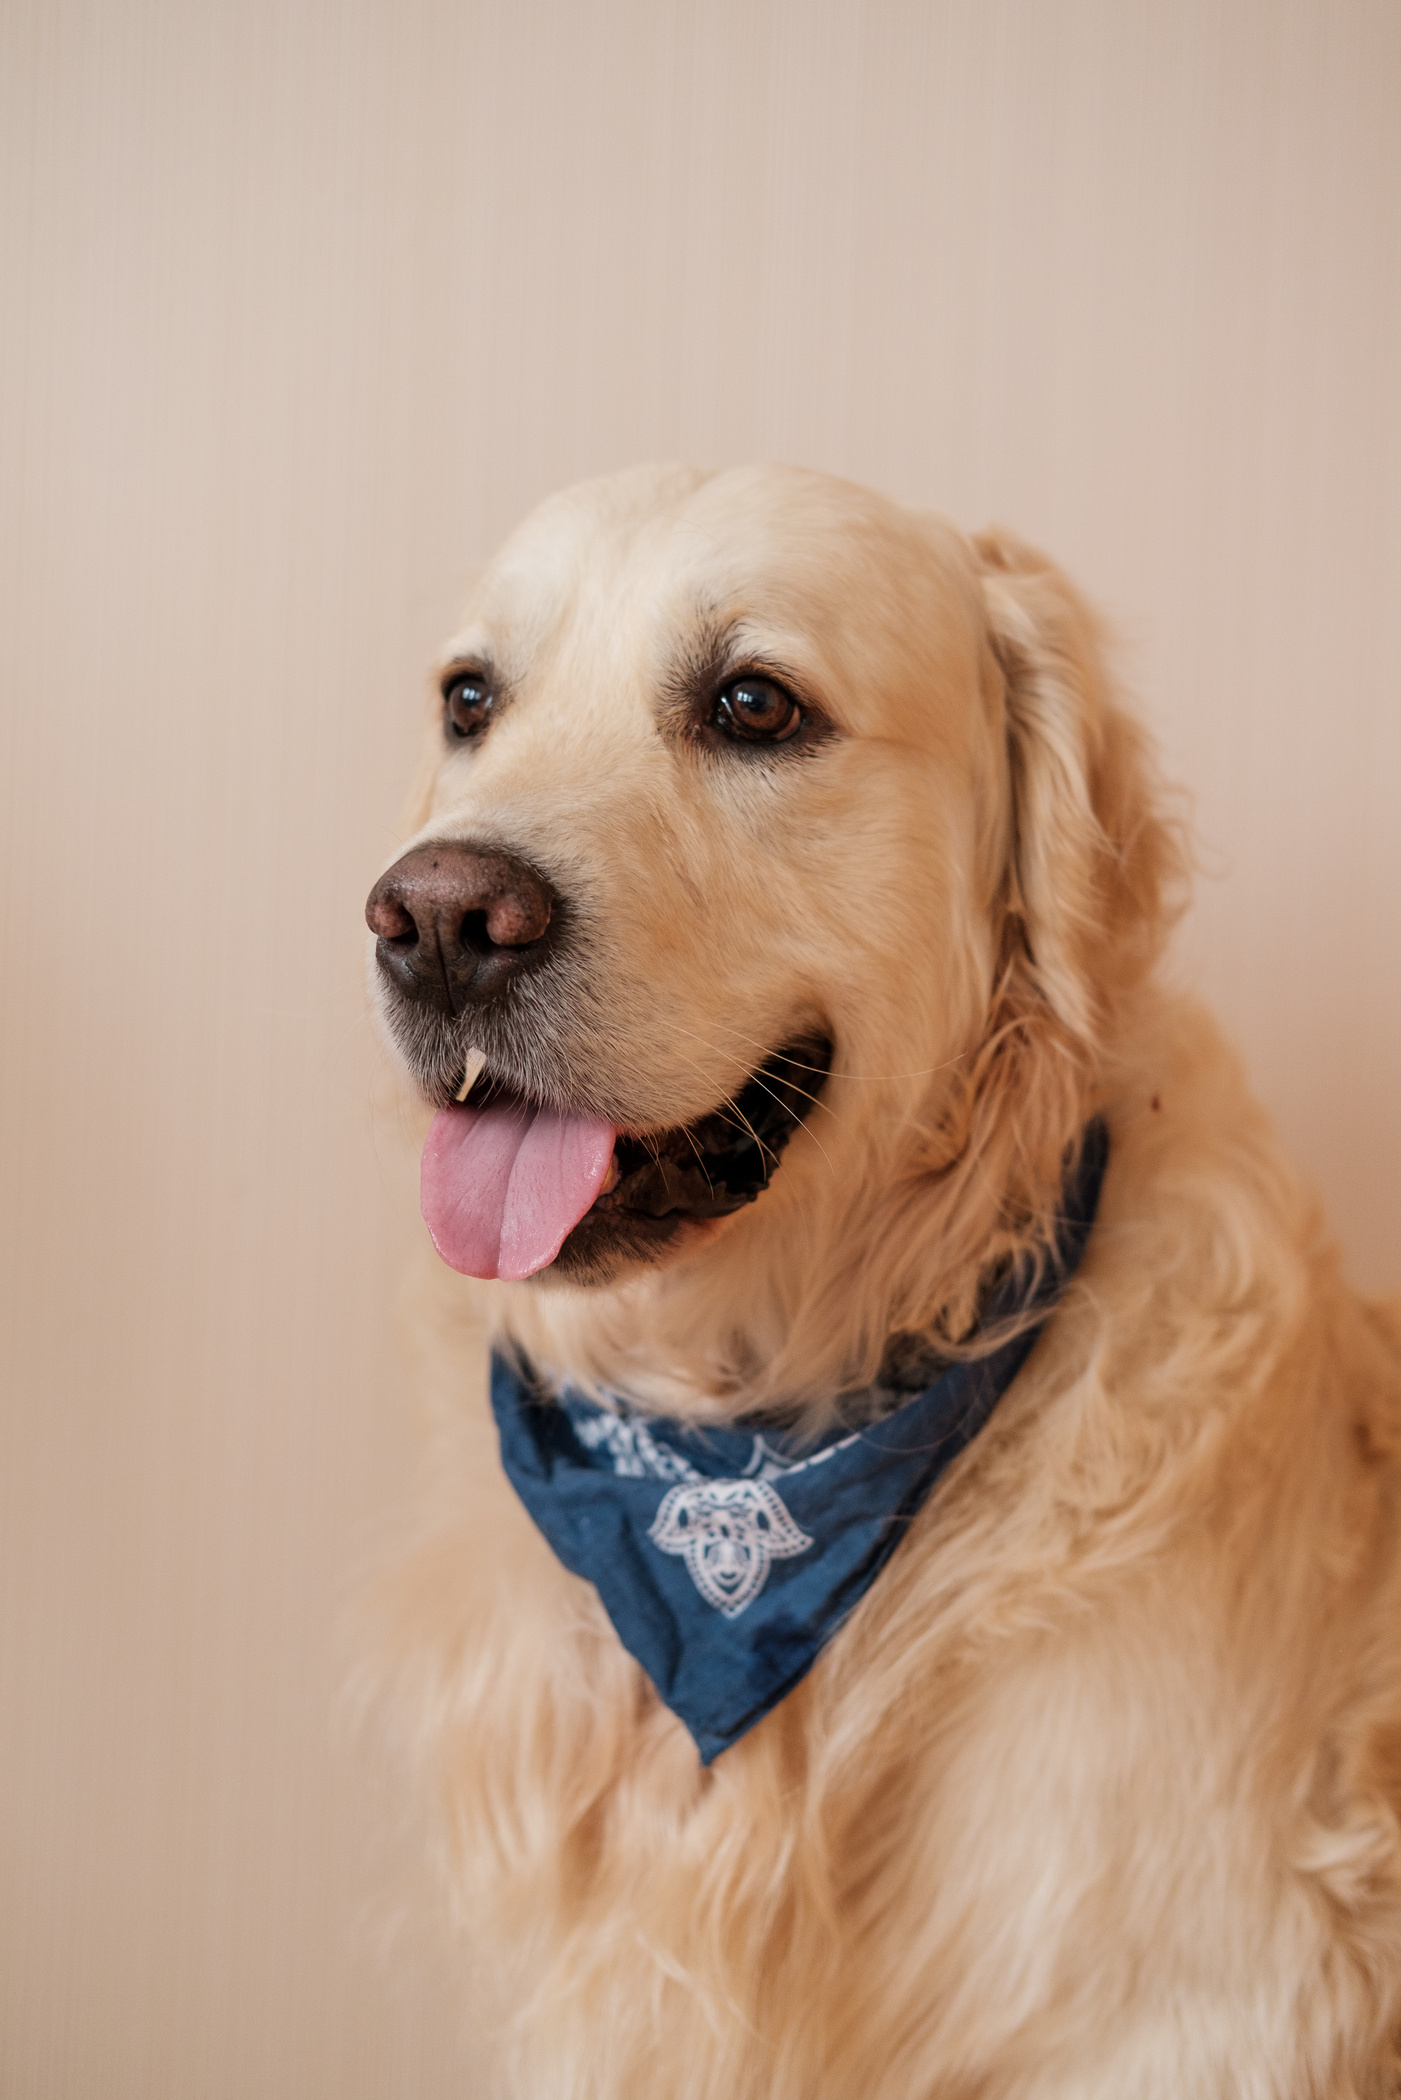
[(720, 815)]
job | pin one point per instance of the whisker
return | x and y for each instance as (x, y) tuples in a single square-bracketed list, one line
[(731, 1103), (700, 1157), (757, 1081), (815, 1099), (747, 1125)]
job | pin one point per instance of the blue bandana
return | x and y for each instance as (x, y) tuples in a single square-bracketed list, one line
[(727, 1558)]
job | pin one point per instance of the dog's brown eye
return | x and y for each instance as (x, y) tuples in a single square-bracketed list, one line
[(757, 710), (466, 704)]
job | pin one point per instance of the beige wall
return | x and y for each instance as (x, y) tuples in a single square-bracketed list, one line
[(305, 304)]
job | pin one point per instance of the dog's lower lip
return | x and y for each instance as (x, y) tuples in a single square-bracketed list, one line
[(726, 1158), (717, 1163)]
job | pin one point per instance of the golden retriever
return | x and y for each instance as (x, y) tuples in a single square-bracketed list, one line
[(755, 787)]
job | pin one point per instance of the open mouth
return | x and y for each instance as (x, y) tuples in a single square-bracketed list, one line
[(510, 1187)]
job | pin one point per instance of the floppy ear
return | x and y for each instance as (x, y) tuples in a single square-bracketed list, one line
[(1094, 870)]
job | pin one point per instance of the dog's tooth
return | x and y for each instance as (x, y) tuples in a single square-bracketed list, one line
[(612, 1177), (475, 1060)]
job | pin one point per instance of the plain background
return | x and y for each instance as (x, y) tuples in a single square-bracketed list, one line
[(305, 303)]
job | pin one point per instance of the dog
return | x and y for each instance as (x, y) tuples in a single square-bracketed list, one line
[(777, 941)]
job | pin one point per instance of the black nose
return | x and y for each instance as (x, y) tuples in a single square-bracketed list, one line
[(456, 923)]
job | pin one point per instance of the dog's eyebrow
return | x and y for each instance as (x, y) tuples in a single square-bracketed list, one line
[(713, 648), (716, 652), (468, 646)]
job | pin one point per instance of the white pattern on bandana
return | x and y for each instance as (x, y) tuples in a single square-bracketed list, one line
[(635, 1452), (729, 1532)]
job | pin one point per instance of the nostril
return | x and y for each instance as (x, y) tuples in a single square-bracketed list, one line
[(500, 927), (386, 916), (474, 935)]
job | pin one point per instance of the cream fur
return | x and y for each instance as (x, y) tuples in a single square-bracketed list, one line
[(1096, 1792)]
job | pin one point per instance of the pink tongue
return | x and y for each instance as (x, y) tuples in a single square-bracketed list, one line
[(502, 1186)]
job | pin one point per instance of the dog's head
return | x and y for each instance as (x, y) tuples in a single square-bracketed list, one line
[(782, 857)]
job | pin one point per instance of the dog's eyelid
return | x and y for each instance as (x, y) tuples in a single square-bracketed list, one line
[(813, 725), (464, 669), (748, 665), (767, 670)]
